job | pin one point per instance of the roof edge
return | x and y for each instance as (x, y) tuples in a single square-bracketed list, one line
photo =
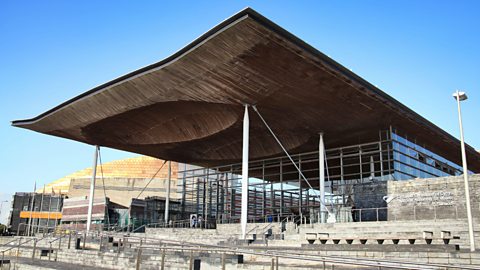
[(249, 12)]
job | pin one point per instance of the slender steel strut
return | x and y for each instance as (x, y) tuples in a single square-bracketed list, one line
[(92, 188)]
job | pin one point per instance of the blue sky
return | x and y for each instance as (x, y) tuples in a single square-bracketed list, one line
[(419, 52)]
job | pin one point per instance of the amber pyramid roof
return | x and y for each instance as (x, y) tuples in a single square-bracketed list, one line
[(136, 167)]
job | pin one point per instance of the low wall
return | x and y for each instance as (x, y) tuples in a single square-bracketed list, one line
[(235, 228)]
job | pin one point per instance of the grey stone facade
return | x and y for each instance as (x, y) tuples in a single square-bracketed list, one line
[(434, 198)]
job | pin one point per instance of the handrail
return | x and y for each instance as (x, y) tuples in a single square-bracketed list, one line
[(27, 241), (34, 226), (280, 254), (6, 244), (254, 228), (266, 228), (136, 229), (300, 256)]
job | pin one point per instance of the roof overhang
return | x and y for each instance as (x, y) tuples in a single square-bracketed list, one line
[(189, 106)]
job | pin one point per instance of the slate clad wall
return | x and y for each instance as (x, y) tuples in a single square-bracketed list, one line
[(434, 198), (370, 195)]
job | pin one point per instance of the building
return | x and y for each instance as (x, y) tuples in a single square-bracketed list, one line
[(127, 190), (275, 126), (124, 188), (34, 212), (120, 179)]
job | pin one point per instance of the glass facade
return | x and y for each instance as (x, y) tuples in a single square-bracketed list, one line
[(276, 188), (411, 160)]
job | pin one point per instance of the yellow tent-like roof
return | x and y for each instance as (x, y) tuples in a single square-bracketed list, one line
[(137, 167)]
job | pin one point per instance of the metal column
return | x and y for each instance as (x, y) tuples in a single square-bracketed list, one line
[(381, 157), (342, 179), (184, 189), (92, 188), (30, 222), (321, 161), (281, 188), (167, 198), (265, 183), (300, 195), (244, 215), (372, 168)]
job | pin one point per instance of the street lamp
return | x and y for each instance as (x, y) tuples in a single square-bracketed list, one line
[(460, 96)]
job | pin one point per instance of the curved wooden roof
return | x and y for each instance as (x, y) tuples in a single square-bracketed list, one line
[(189, 106)]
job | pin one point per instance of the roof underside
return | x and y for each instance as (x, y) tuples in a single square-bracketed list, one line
[(189, 107)]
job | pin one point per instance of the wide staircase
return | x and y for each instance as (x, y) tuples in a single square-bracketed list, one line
[(282, 245)]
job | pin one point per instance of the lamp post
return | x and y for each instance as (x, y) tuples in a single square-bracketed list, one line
[(460, 96)]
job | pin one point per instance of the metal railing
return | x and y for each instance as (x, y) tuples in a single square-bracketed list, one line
[(184, 223), (163, 245), (140, 244)]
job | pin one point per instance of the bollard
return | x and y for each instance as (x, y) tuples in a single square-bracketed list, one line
[(163, 260), (119, 243), (84, 240), (59, 247), (78, 242), (240, 258), (49, 251), (69, 239), (223, 261), (34, 248), (139, 258), (197, 264), (272, 265), (18, 247), (333, 266), (190, 266)]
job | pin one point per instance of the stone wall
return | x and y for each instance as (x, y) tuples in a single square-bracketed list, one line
[(433, 198), (368, 197)]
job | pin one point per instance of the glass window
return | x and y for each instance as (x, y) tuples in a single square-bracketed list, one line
[(412, 160)]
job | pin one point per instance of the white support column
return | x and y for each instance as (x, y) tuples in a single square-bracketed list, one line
[(244, 216), (92, 189), (167, 198), (321, 170)]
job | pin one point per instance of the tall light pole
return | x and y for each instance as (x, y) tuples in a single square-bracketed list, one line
[(460, 96)]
